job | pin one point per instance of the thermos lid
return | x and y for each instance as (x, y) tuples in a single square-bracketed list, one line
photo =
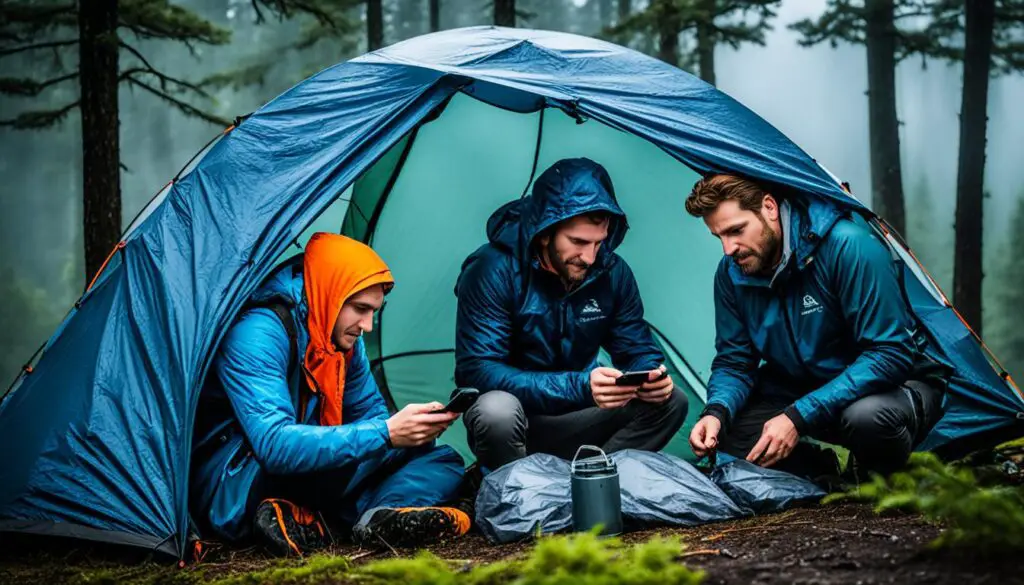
[(592, 466)]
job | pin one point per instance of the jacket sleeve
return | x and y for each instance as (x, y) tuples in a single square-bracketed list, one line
[(864, 280), (252, 366), (630, 343), (734, 369), (483, 338), (363, 399)]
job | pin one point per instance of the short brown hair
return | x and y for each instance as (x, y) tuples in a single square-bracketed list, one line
[(712, 190), (596, 217)]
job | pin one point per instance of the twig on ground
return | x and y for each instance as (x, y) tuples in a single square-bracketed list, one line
[(387, 544), (764, 527), (718, 552)]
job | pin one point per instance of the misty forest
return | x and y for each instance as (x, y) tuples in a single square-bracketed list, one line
[(933, 147)]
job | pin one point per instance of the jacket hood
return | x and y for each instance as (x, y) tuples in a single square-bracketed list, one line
[(568, 188)]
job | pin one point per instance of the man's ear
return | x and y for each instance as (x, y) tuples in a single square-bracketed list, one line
[(770, 207)]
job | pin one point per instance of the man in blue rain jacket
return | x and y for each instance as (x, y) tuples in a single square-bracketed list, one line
[(535, 306), (291, 428), (814, 337)]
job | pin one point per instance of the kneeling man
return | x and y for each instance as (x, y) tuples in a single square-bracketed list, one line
[(814, 338)]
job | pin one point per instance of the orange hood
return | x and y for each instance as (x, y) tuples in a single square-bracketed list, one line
[(335, 268)]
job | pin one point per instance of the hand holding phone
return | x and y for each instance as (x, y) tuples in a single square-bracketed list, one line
[(658, 388), (639, 378), (461, 400)]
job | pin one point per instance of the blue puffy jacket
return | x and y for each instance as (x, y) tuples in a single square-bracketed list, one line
[(831, 327), (248, 424), (518, 330)]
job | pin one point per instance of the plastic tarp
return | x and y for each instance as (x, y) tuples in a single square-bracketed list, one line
[(764, 490), (533, 495)]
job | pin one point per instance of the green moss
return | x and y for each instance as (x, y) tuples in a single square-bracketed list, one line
[(986, 519), (147, 574), (320, 568), (582, 559)]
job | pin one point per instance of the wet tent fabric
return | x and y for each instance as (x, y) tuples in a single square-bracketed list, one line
[(103, 423)]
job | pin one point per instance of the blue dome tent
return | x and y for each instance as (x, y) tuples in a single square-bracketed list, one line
[(408, 148)]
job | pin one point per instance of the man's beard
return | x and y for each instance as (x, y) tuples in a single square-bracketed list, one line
[(769, 248), (562, 268)]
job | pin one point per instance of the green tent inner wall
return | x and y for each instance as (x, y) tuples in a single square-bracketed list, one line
[(424, 206)]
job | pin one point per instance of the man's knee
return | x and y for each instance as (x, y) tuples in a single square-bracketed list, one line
[(873, 418), (671, 413), (677, 406), (496, 415), (878, 432)]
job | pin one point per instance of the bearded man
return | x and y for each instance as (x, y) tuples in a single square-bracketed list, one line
[(535, 306), (813, 335)]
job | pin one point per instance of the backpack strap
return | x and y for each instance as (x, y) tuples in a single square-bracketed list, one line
[(285, 315)]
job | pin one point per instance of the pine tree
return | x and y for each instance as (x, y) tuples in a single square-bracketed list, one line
[(1006, 335), (102, 32), (879, 25), (929, 238), (435, 15), (504, 12), (988, 37), (704, 23), (330, 33)]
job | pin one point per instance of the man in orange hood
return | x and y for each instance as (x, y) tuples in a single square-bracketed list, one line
[(292, 430)]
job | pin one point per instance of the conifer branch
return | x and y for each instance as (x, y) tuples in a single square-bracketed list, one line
[(36, 120), (37, 46), (185, 107), (29, 87)]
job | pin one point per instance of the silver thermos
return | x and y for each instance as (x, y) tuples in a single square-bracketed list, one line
[(596, 498)]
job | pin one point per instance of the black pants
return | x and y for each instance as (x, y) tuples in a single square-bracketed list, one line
[(499, 430), (880, 430)]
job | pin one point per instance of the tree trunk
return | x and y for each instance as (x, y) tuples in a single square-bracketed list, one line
[(706, 41), (883, 125), (435, 15), (504, 12), (101, 169), (624, 10), (970, 184), (668, 32), (604, 12), (374, 24)]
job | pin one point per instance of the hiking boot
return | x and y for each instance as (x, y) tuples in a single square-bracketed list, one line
[(410, 527), (287, 529), (465, 498)]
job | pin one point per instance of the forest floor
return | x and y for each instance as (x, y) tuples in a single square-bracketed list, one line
[(835, 544)]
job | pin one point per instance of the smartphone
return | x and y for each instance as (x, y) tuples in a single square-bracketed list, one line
[(461, 400), (637, 378)]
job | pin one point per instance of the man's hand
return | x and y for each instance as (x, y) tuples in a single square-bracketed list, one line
[(704, 436), (606, 393), (777, 441), (654, 390), (415, 424)]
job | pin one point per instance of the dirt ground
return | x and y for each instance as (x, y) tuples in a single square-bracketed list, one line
[(820, 545)]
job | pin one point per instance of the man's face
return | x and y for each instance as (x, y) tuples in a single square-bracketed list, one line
[(356, 316), (573, 248), (751, 238)]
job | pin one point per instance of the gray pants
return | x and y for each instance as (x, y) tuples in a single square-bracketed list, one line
[(500, 431), (879, 430)]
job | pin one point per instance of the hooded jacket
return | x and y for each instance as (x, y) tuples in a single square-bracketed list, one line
[(831, 325), (255, 418), (519, 330)]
